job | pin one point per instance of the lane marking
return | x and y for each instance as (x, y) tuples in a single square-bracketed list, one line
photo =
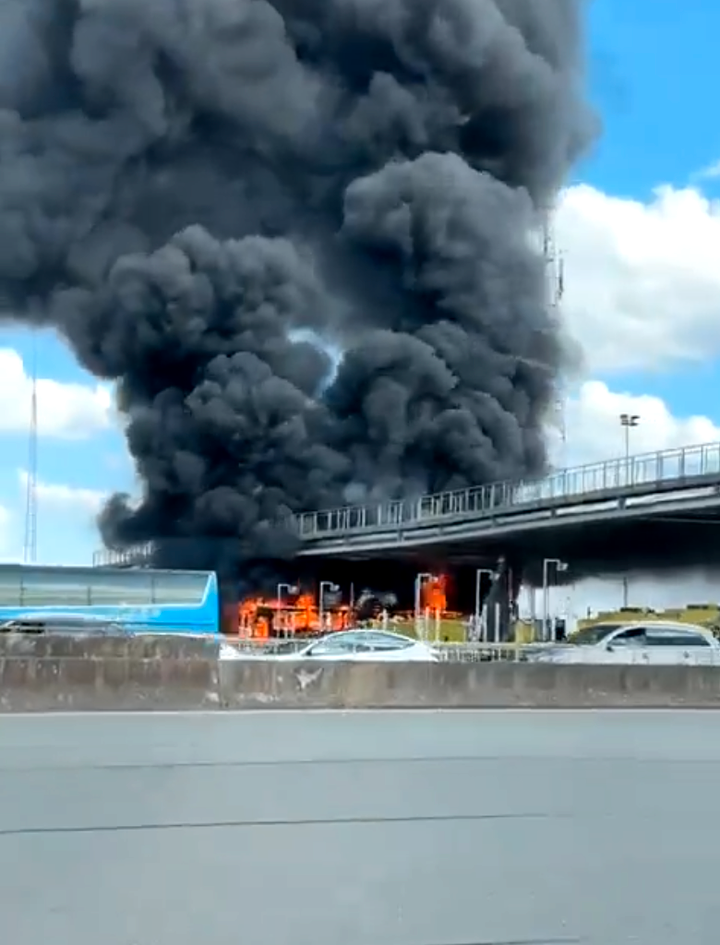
[(277, 822), (234, 713)]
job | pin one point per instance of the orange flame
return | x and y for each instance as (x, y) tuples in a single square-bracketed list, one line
[(433, 593), (259, 617)]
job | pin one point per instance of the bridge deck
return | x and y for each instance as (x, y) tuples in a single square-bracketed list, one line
[(683, 481), (487, 508)]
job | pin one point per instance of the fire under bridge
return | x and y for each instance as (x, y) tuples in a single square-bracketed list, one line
[(640, 512)]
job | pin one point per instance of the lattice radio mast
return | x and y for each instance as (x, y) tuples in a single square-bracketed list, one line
[(30, 546), (556, 276)]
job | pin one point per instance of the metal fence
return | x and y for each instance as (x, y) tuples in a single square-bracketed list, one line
[(689, 465), (487, 652), (267, 647), (136, 557)]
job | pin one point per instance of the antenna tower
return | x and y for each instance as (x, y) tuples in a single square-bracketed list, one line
[(30, 547), (556, 277)]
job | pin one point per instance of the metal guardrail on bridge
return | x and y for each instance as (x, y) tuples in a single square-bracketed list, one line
[(690, 466), (136, 557)]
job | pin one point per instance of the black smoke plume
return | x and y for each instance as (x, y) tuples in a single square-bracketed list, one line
[(300, 235)]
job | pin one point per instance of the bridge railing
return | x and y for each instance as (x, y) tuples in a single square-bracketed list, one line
[(684, 464), (610, 477), (127, 558)]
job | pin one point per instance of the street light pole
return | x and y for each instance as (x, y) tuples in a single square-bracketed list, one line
[(559, 567), (420, 578), (324, 586), (627, 422), (283, 589), (478, 591)]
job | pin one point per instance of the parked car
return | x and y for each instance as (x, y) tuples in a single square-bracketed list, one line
[(351, 645), (647, 643)]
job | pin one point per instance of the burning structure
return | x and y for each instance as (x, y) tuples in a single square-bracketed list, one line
[(299, 613), (296, 236)]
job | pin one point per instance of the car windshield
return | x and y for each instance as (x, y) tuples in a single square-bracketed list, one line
[(388, 641), (360, 641), (590, 636)]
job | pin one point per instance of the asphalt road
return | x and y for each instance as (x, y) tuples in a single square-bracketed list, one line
[(360, 829)]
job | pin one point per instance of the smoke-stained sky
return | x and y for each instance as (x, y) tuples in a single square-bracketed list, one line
[(299, 235)]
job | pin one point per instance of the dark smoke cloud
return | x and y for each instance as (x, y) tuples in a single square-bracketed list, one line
[(298, 235)]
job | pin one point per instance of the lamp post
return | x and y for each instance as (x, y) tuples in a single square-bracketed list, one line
[(282, 590), (625, 592), (478, 591), (559, 567), (627, 422), (419, 580), (324, 586)]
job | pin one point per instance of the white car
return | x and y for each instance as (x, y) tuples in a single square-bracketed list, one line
[(372, 646), (649, 643)]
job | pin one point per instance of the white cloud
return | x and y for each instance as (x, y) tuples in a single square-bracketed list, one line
[(642, 292), (594, 433), (63, 498), (642, 280), (64, 410), (711, 172)]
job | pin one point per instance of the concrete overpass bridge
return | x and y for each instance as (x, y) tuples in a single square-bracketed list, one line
[(625, 507), (580, 512), (648, 511)]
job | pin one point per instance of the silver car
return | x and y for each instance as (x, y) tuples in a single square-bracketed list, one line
[(645, 643)]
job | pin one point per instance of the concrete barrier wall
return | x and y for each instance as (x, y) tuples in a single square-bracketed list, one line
[(46, 673), (256, 684), (40, 678), (145, 646)]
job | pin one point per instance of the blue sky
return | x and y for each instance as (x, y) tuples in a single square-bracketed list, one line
[(654, 71), (66, 522), (654, 68)]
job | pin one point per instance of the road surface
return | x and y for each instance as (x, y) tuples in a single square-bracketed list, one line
[(360, 828)]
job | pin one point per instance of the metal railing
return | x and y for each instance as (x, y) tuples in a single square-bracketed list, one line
[(668, 468), (674, 467), (127, 558), (486, 652)]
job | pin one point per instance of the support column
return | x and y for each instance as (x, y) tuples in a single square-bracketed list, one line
[(501, 605)]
